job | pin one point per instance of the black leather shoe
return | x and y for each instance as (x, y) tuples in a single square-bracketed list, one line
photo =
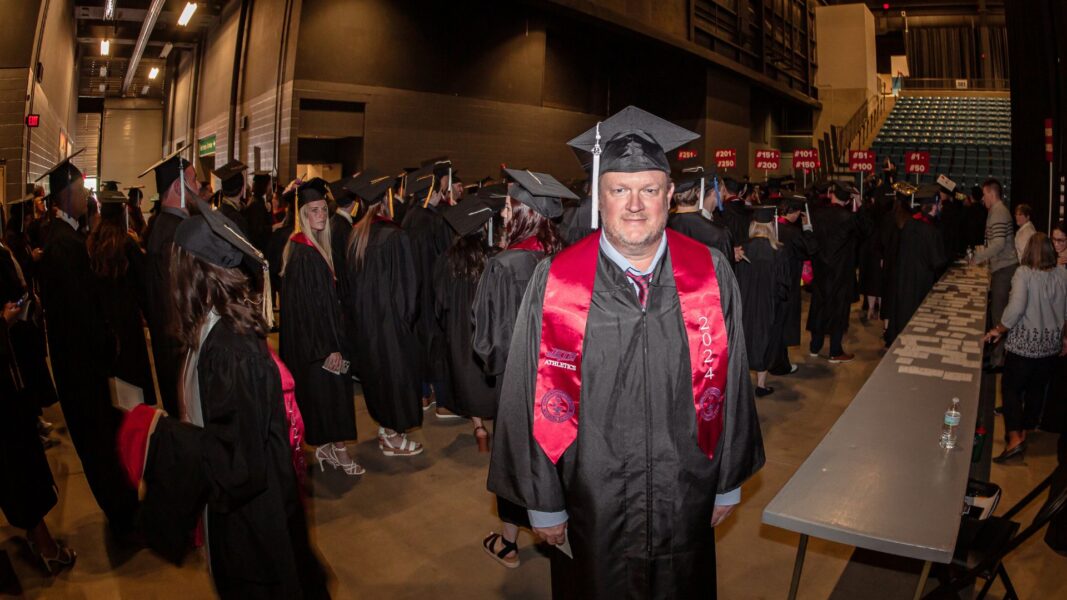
[(1018, 451), (764, 391)]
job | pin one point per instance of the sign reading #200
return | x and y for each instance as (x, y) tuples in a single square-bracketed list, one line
[(768, 160)]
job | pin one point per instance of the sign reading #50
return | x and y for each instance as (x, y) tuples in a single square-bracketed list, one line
[(768, 160), (917, 162)]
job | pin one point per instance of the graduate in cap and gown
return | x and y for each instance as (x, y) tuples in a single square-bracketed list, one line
[(763, 279), (279, 236), (455, 282), (82, 349), (382, 304), (735, 215), (228, 461), (343, 218), (691, 218), (256, 212), (119, 267), (176, 184), (533, 201), (232, 193), (920, 260), (625, 446), (313, 341), (800, 245)]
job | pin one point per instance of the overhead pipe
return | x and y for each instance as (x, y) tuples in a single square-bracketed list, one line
[(283, 54), (235, 79), (142, 42)]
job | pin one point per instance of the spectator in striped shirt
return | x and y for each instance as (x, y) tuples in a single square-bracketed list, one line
[(999, 254)]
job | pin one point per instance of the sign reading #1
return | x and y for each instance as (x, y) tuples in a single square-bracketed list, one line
[(861, 161), (917, 162), (806, 158), (725, 159), (768, 160)]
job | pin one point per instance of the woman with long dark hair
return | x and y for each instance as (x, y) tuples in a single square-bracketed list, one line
[(455, 281), (533, 201), (382, 306), (312, 340), (118, 264), (229, 460)]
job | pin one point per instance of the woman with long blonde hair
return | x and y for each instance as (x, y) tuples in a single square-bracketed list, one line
[(763, 278), (312, 341)]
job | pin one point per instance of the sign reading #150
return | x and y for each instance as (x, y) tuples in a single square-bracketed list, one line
[(806, 158), (917, 162), (861, 161), (768, 160), (725, 159)]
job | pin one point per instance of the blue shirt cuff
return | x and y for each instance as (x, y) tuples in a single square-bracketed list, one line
[(542, 520), (728, 498)]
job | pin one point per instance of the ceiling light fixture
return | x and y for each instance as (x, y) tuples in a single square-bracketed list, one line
[(166, 50), (187, 14), (109, 9), (153, 72), (105, 47)]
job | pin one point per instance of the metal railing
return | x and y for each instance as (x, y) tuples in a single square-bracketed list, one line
[(982, 85), (862, 123)]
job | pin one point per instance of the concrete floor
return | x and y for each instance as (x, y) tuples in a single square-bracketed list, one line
[(411, 528)]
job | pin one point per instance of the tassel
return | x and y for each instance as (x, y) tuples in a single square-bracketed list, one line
[(426, 204), (391, 213), (596, 176), (701, 193), (268, 299)]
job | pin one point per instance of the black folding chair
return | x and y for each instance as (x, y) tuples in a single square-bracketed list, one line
[(983, 545)]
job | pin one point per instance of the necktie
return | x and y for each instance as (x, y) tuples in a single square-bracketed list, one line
[(641, 281)]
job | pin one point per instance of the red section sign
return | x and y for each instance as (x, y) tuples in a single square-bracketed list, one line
[(768, 160), (686, 154), (917, 162), (725, 159), (33, 120), (807, 159), (1048, 140), (861, 161)]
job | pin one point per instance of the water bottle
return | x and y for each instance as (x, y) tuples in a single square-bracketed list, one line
[(950, 425)]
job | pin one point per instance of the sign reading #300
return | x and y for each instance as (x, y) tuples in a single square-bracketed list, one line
[(768, 160), (917, 162), (806, 158), (725, 158)]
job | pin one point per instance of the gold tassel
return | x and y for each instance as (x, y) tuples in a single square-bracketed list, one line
[(426, 204), (268, 298), (391, 213)]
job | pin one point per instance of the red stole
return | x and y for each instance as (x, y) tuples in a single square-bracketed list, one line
[(530, 243), (300, 238), (568, 293), (920, 216)]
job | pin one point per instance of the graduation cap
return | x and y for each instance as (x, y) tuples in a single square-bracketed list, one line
[(134, 193), (110, 185), (495, 190), (926, 194), (693, 176), (421, 183), (170, 168), (630, 141), (341, 190), (540, 191), (372, 191), (843, 191), (765, 213), (311, 190), (947, 184), (17, 210), (469, 216), (232, 175), (113, 202), (62, 175)]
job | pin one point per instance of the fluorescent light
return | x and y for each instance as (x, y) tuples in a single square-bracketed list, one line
[(105, 47), (103, 70), (166, 50), (109, 9), (187, 14), (144, 91), (153, 72)]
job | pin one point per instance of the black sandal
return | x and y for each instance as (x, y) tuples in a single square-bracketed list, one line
[(506, 548)]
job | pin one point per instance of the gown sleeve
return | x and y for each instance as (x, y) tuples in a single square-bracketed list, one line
[(404, 278), (741, 444), (495, 301), (310, 305), (519, 470)]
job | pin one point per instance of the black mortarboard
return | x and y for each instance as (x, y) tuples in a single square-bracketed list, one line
[(18, 209), (494, 190), (373, 190), (843, 191), (232, 175), (630, 141), (796, 202), (134, 192), (342, 191), (169, 169), (764, 213), (110, 185), (61, 176), (311, 190), (213, 238), (540, 191), (928, 193), (112, 203), (419, 182), (468, 216)]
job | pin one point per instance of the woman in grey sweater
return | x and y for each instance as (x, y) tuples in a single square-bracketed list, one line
[(1034, 320)]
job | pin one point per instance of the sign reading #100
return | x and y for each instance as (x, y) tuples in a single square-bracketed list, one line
[(861, 161), (725, 159), (806, 158), (768, 160), (917, 162)]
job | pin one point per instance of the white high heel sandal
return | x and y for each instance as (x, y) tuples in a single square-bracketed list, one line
[(328, 455)]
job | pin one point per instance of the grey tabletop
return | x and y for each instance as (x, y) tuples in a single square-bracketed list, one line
[(879, 479)]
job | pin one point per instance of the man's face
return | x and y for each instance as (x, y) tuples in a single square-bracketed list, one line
[(634, 208), (79, 199), (989, 196), (1021, 219)]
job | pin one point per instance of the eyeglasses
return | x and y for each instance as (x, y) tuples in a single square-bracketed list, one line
[(1059, 240)]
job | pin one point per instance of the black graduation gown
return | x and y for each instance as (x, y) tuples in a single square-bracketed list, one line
[(496, 305), (577, 221), (28, 491), (637, 487), (166, 352), (238, 465), (258, 220), (82, 355), (834, 287), (737, 218), (869, 259), (953, 226), (340, 228), (27, 337), (311, 329), (764, 284), (799, 246), (122, 301), (709, 233), (382, 301), (474, 392), (920, 262), (889, 236), (275, 248), (430, 236), (237, 216)]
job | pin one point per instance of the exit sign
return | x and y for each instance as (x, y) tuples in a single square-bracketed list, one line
[(686, 154), (33, 120)]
